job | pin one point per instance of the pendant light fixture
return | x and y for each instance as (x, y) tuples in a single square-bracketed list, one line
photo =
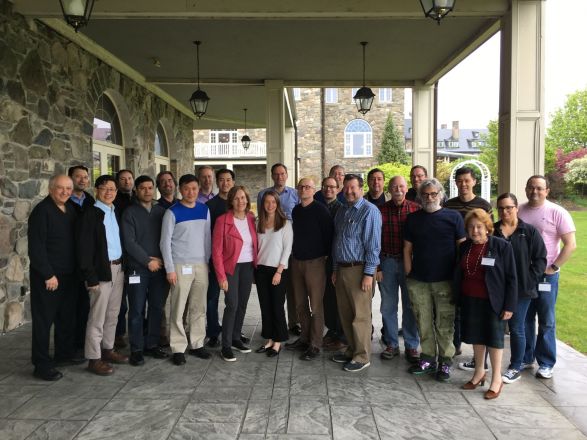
[(246, 140), (199, 99), (437, 9), (77, 12), (364, 96)]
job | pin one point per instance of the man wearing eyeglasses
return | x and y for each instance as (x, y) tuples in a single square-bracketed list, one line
[(312, 240), (555, 225), (431, 237)]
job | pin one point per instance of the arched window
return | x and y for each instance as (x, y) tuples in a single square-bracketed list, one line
[(107, 146), (358, 139), (161, 150)]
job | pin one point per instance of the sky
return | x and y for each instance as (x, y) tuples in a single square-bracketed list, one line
[(470, 92)]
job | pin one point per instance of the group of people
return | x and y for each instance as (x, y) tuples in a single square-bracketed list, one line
[(460, 277)]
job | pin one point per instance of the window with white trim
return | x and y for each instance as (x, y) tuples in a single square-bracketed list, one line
[(162, 162), (331, 95), (385, 95), (297, 94), (354, 91), (358, 139), (107, 148)]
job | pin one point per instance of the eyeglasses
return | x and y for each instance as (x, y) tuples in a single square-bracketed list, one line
[(305, 187), (505, 208), (107, 190), (329, 186), (430, 195), (535, 188)]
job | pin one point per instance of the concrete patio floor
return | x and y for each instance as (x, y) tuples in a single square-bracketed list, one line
[(282, 398)]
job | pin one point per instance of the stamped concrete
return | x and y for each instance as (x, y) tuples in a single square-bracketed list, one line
[(282, 398)]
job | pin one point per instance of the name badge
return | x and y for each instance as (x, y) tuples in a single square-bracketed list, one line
[(186, 270), (134, 279), (488, 261), (544, 287)]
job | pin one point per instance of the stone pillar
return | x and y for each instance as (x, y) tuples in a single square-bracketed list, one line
[(279, 146), (521, 100), (423, 136)]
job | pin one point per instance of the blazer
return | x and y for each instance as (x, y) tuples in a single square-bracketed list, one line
[(227, 244), (501, 279)]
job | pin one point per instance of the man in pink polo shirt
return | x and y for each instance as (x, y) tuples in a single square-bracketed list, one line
[(555, 225)]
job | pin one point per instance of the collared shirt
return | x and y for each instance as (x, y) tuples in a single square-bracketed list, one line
[(165, 204), (379, 201), (203, 198), (288, 199), (112, 231), (78, 200), (357, 235), (392, 232)]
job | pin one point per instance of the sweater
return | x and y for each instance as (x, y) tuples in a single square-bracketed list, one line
[(313, 230)]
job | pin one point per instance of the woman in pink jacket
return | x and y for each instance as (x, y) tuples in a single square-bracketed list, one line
[(234, 253)]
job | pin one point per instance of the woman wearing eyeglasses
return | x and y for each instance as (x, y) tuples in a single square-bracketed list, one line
[(530, 256), (486, 288)]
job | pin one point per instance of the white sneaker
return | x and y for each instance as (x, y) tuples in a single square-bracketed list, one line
[(528, 366), (544, 373)]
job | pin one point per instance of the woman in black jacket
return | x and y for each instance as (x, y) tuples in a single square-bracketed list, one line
[(486, 287), (530, 256)]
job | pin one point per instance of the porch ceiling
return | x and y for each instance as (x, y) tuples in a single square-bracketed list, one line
[(302, 42)]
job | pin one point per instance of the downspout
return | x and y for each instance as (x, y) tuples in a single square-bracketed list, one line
[(322, 133), (434, 131)]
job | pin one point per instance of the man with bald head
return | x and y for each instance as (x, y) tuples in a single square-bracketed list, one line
[(391, 275), (52, 276), (312, 227)]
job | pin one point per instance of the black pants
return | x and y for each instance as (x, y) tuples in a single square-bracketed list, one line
[(52, 307), (271, 301), (121, 325), (236, 300), (81, 314)]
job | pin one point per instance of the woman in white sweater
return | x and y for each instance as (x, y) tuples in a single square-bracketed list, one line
[(275, 238)]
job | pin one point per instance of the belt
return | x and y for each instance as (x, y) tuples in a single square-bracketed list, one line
[(396, 257), (116, 262), (351, 264)]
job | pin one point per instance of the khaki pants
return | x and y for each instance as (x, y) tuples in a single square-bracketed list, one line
[(309, 280), (435, 316), (103, 316), (354, 308), (190, 290)]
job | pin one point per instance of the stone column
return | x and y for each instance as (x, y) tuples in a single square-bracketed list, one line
[(521, 101), (423, 130), (279, 142)]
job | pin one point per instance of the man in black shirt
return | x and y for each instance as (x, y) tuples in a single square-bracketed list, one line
[(312, 242), (376, 185), (167, 187), (52, 276)]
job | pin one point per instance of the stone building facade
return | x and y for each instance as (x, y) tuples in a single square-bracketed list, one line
[(49, 88)]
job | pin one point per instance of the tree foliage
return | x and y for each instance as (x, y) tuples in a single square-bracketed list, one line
[(391, 170), (489, 151), (577, 172), (568, 128), (556, 177), (392, 145)]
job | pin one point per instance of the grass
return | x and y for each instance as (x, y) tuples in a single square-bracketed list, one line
[(571, 307)]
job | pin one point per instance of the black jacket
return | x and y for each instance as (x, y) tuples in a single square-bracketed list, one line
[(530, 256), (88, 201), (501, 279), (92, 247)]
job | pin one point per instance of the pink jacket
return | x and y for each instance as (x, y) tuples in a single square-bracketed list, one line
[(227, 244)]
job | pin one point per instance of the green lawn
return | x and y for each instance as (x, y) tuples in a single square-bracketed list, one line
[(571, 307)]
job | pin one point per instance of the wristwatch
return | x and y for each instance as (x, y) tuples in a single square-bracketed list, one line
[(555, 267)]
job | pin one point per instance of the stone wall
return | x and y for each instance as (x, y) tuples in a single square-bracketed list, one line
[(310, 140), (48, 93), (252, 177)]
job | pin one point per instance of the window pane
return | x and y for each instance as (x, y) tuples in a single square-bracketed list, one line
[(161, 142), (113, 163), (331, 95), (384, 95), (106, 122), (358, 144), (96, 165)]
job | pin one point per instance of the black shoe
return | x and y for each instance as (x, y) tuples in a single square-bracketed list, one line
[(74, 360), (178, 358), (49, 374), (238, 345), (310, 354), (136, 358), (443, 373), (271, 352), (244, 339), (296, 330), (227, 354), (262, 349), (213, 342), (201, 353), (298, 344), (156, 352)]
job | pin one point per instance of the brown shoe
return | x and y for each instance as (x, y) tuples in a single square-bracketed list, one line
[(114, 357), (119, 342), (99, 367), (336, 345)]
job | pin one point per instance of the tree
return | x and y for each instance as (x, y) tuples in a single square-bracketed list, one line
[(392, 145), (557, 176), (489, 151), (577, 173), (568, 128), (391, 170)]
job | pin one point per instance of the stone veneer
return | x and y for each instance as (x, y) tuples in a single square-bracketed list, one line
[(48, 91)]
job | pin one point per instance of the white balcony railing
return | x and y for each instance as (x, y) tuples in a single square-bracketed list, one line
[(229, 150)]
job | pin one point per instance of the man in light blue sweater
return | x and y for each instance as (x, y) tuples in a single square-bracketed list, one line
[(186, 247)]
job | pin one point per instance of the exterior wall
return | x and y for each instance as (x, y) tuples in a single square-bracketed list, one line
[(48, 92), (252, 177), (310, 141)]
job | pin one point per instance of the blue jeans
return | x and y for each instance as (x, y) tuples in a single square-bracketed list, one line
[(542, 346), (393, 279), (152, 290), (212, 326), (517, 324)]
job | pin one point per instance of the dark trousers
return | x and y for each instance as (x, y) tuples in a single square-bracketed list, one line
[(236, 300), (81, 314), (48, 308), (331, 316), (151, 292), (457, 340), (292, 313), (271, 301), (121, 325), (212, 326)]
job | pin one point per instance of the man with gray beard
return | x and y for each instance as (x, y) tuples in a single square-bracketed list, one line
[(431, 238)]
